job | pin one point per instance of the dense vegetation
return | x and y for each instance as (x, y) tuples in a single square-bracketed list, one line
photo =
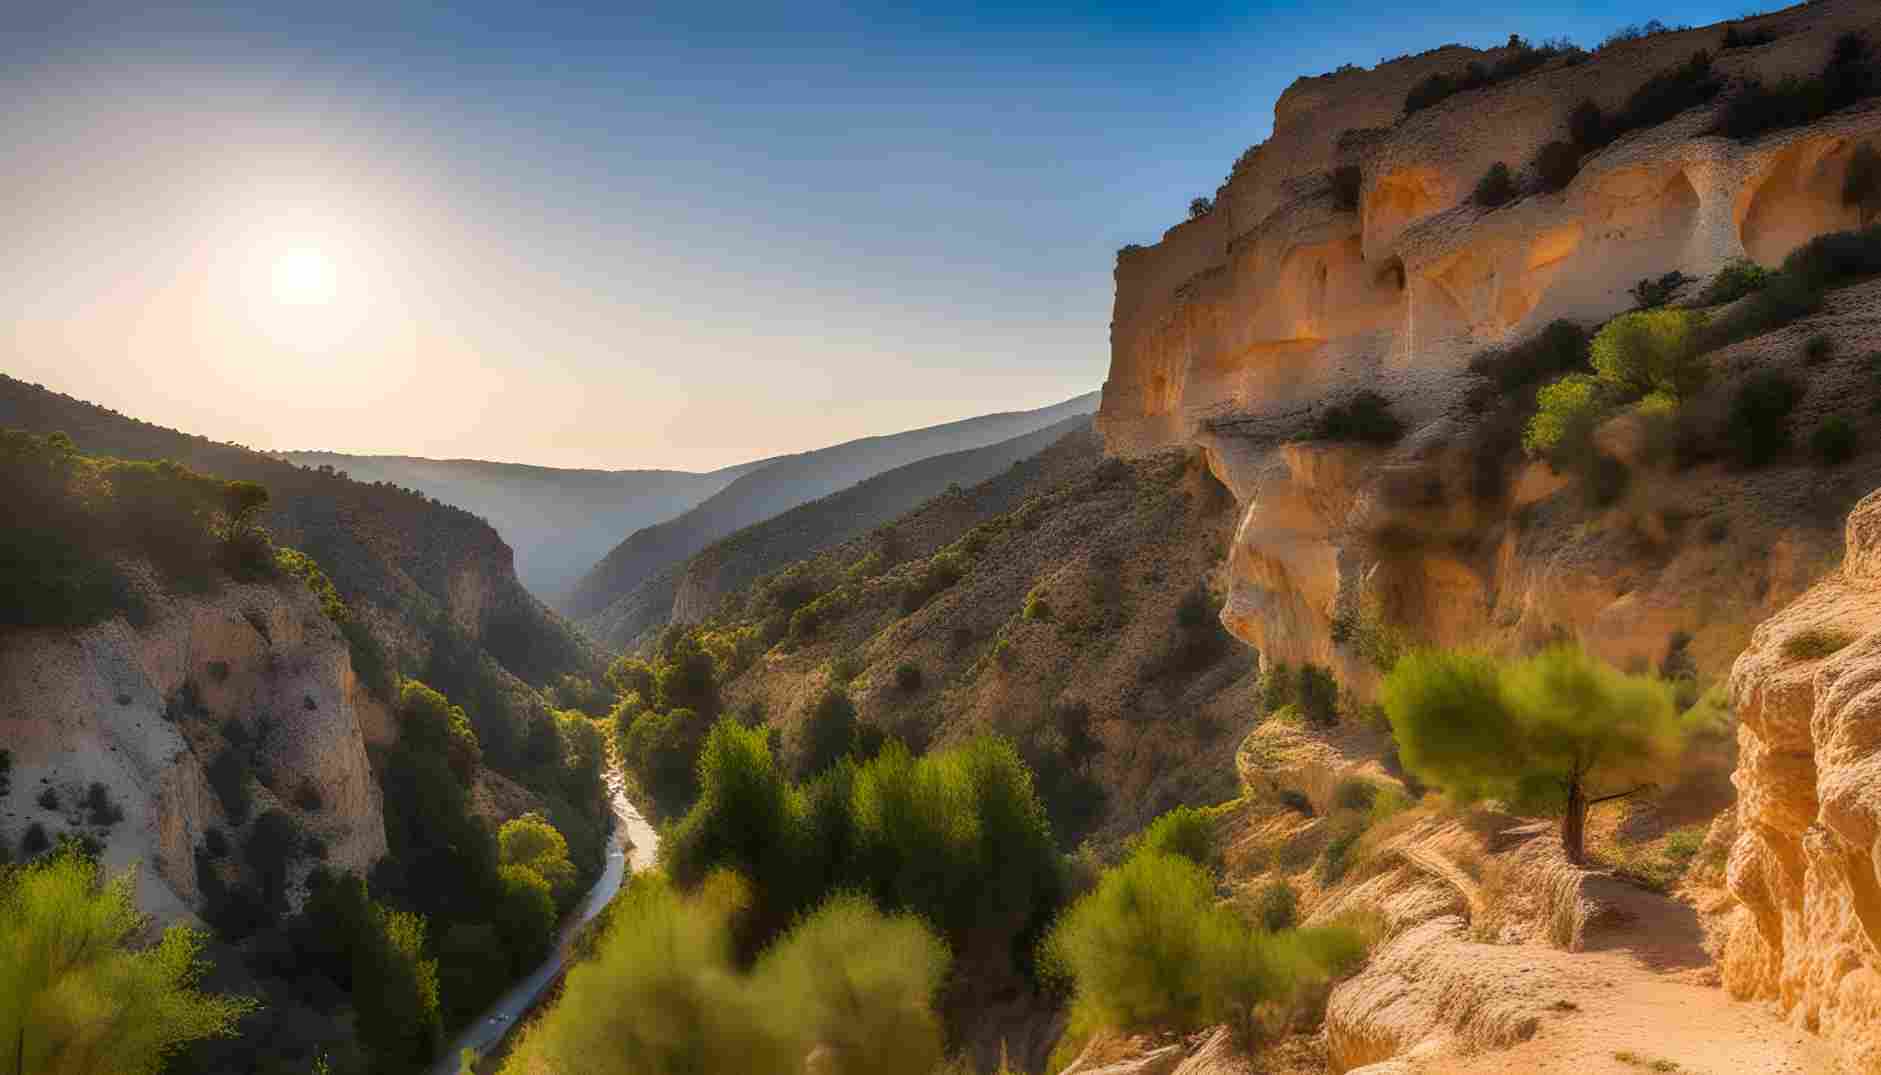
[(666, 994), (76, 997), (1151, 948), (1853, 73), (1522, 58), (1559, 730)]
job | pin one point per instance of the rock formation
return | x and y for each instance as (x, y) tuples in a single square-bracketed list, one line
[(1805, 929), (1238, 329), (140, 710)]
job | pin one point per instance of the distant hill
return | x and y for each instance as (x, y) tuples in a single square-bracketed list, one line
[(559, 521), (776, 487), (689, 591), (435, 584)]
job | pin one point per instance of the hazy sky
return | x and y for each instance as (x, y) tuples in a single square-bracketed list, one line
[(678, 235)]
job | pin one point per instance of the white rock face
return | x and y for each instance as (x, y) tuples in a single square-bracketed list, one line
[(87, 706)]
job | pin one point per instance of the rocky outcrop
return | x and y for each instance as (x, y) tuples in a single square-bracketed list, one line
[(1805, 928), (141, 710), (1235, 332)]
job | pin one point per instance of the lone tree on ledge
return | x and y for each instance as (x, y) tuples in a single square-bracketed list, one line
[(1560, 730)]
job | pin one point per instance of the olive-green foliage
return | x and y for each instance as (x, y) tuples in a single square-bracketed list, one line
[(1567, 412), (630, 675), (1653, 292), (75, 997), (1495, 188), (524, 915), (1652, 351), (1738, 278), (1365, 417), (378, 954), (860, 985), (1278, 686), (660, 750), (1276, 906), (1852, 73), (531, 842), (1557, 349), (1151, 948), (941, 571), (1184, 831), (828, 733), (73, 516), (429, 723), (1319, 694), (664, 996), (1834, 441), (1758, 426), (958, 836), (1520, 731)]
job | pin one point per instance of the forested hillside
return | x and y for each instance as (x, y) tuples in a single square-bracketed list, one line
[(688, 591), (785, 483), (559, 521)]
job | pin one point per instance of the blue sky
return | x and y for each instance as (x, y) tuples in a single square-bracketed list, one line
[(677, 235)]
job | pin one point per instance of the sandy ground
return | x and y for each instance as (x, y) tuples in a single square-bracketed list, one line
[(1642, 997)]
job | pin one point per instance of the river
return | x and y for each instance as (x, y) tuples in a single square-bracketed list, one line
[(500, 1017)]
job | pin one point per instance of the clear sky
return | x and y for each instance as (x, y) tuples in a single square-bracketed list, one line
[(680, 235)]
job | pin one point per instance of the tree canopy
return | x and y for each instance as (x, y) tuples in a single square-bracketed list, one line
[(1560, 729), (75, 997)]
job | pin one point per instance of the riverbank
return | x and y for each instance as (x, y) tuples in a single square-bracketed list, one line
[(634, 847)]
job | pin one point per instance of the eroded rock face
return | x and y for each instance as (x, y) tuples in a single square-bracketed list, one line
[(112, 704), (1806, 931), (1235, 332)]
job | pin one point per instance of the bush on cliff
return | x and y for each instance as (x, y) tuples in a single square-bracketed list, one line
[(1853, 73), (1758, 426), (1651, 352), (1365, 417), (1150, 948), (1496, 188), (1559, 729)]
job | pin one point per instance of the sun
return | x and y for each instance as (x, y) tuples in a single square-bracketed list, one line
[(305, 277)]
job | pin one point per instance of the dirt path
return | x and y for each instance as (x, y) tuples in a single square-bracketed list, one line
[(1639, 999)]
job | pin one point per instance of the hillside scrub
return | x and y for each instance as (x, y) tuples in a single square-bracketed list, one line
[(664, 994), (1522, 58), (1150, 948), (76, 517), (958, 836), (1852, 73), (75, 997), (1366, 417), (1560, 730)]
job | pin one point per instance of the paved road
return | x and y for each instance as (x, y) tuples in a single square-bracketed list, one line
[(489, 1028)]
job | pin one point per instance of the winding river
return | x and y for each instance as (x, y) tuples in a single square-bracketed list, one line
[(500, 1018)]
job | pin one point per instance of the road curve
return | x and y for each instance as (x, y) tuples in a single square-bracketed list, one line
[(500, 1017)]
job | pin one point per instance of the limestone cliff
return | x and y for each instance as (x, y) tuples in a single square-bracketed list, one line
[(1236, 331), (1805, 928), (143, 709)]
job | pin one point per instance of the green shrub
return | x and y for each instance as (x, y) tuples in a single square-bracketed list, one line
[(1319, 694), (1036, 608), (228, 776), (1735, 38), (1652, 351), (48, 798), (1366, 417), (99, 808), (1556, 165), (1758, 426), (1665, 95), (1200, 207), (35, 840), (1276, 906), (1815, 643), (1567, 413), (1652, 293), (1496, 188), (1187, 832), (1521, 59), (1852, 73), (1836, 259), (827, 734), (1354, 793), (942, 570), (1150, 948), (1278, 686), (907, 677), (1738, 278), (659, 750), (1818, 349), (84, 992), (1336, 858), (1557, 349), (1834, 441)]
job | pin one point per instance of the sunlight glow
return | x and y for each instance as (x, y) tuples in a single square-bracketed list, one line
[(305, 277)]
